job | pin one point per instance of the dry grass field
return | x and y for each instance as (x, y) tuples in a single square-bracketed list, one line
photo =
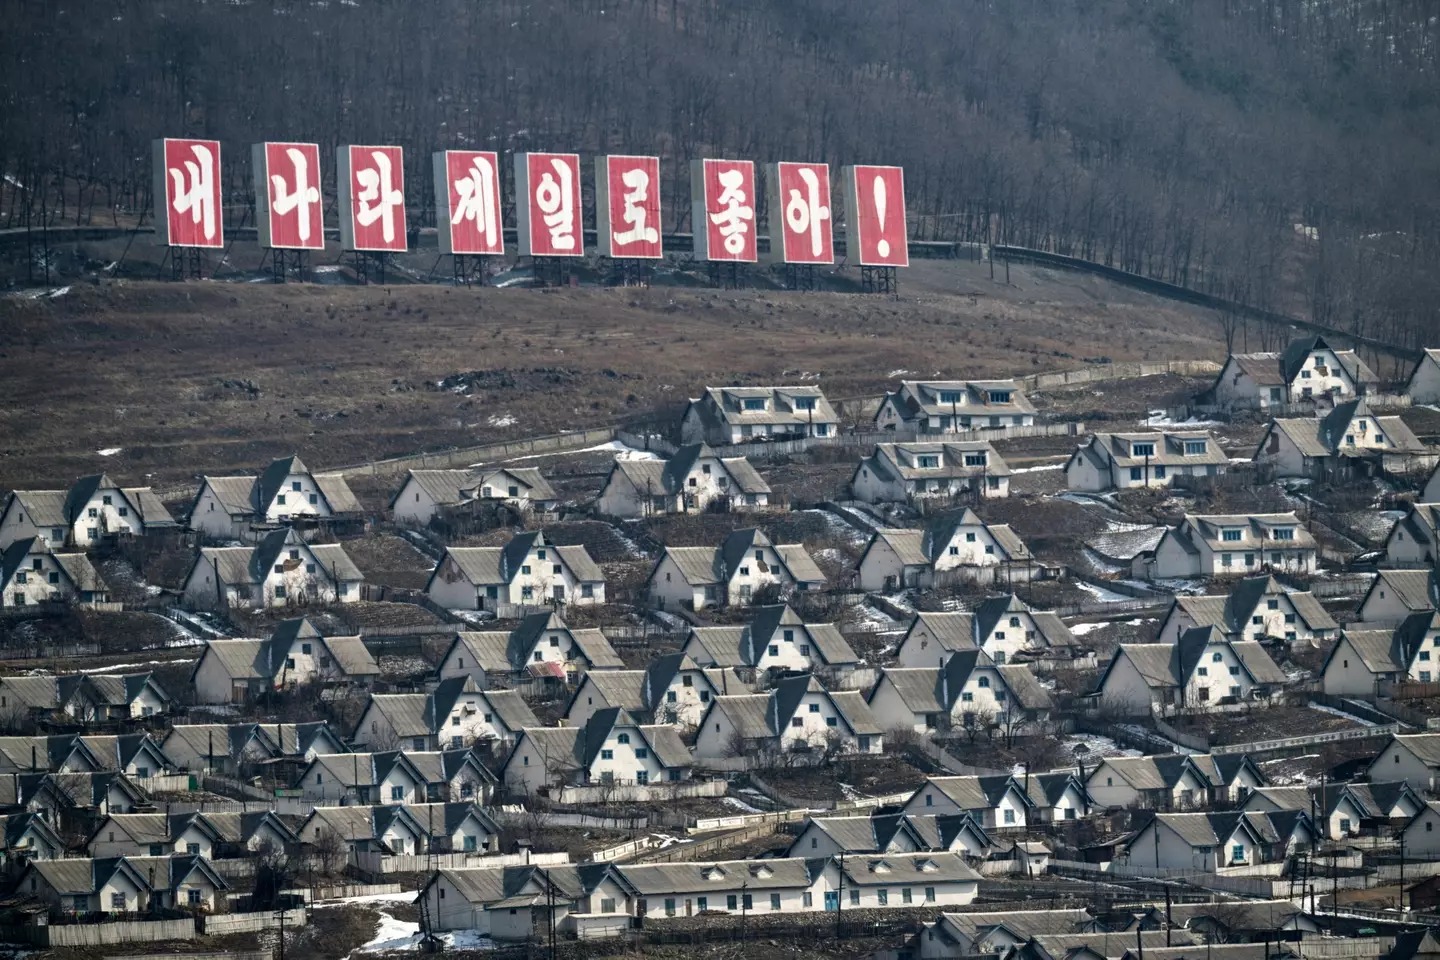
[(216, 377)]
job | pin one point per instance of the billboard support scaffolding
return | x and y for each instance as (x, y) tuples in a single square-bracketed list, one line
[(728, 274), (879, 280), (799, 276), (185, 263), (470, 269), (369, 265), (286, 263)]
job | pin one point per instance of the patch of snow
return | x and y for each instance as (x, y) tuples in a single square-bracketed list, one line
[(1159, 418), (738, 804), (670, 620), (897, 373), (622, 452), (58, 292), (109, 451), (474, 617), (326, 268), (502, 420), (116, 667), (401, 896), (839, 527), (1039, 469), (1085, 629), (1096, 747), (1101, 594)]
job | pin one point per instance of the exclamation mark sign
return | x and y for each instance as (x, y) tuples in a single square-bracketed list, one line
[(878, 191)]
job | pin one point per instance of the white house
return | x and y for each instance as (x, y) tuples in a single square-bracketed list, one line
[(1430, 493), (96, 697), (695, 478), (92, 510), (1412, 757), (997, 802), (1309, 369), (285, 492), (515, 903), (1257, 608), (29, 837), (153, 835), (671, 689), (1201, 669), (958, 546), (609, 751), (1424, 383), (1414, 541), (1421, 835), (238, 747), (456, 714), (742, 414), (955, 406), (1005, 627), (541, 645), (777, 641), (1346, 808), (1396, 594), (389, 828), (1231, 545), (425, 492), (745, 567), (30, 575), (1161, 782), (1208, 841), (295, 654), (396, 776), (281, 570), (891, 833), (1125, 461), (1345, 440), (1364, 662), (902, 472), (526, 574), (121, 885), (966, 691), (797, 716)]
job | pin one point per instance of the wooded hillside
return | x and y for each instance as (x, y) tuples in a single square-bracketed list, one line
[(1278, 151)]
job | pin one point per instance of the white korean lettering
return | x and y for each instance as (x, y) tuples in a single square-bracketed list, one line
[(198, 199), (804, 211), (378, 196), (301, 197), (557, 204), (477, 198), (637, 191), (733, 219)]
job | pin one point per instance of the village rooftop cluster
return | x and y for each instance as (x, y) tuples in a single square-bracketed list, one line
[(919, 661)]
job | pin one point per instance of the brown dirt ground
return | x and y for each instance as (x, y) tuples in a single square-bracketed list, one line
[(389, 560), (164, 371), (1265, 724)]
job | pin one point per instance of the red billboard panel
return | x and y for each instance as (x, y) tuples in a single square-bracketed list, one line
[(549, 213), (875, 216), (722, 210), (289, 214), (187, 188), (800, 221), (371, 186), (627, 207), (467, 202)]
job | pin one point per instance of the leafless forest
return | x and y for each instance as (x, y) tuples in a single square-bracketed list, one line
[(1281, 152)]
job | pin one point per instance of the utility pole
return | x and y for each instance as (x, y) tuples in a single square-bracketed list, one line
[(744, 912), (840, 894)]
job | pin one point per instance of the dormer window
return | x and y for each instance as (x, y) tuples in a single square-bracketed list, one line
[(753, 403), (1231, 534), (761, 872), (999, 396), (928, 461), (927, 866), (976, 459), (951, 397), (713, 873), (802, 403), (1195, 448), (1284, 533), (880, 866), (1145, 449)]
